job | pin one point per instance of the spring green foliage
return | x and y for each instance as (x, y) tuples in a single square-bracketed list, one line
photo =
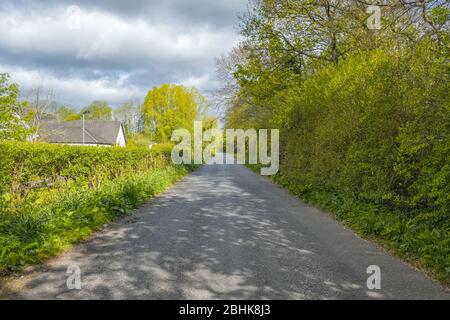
[(54, 195), (140, 140), (171, 107), (376, 126), (364, 116), (97, 110), (29, 170), (64, 113), (11, 125), (35, 234)]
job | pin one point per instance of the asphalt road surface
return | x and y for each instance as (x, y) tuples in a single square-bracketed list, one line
[(226, 233)]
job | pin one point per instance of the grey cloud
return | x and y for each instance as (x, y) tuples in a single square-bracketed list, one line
[(149, 43), (191, 13)]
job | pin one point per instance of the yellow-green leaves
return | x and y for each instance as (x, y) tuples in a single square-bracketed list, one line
[(171, 107), (97, 110), (12, 125)]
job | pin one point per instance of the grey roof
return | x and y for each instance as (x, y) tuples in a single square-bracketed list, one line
[(96, 132)]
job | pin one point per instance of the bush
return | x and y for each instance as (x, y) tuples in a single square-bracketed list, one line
[(378, 127), (54, 195), (30, 172), (37, 233)]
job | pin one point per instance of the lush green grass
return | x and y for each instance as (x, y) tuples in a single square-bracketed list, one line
[(39, 232), (422, 238)]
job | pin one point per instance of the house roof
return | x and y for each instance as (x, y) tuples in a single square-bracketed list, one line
[(96, 132)]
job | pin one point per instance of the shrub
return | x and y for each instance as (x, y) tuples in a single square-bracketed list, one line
[(29, 172), (378, 127), (37, 233), (54, 195)]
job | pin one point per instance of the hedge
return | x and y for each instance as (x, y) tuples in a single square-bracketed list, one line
[(52, 195), (29, 170), (37, 233)]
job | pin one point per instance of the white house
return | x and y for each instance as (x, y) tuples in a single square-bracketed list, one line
[(88, 133)]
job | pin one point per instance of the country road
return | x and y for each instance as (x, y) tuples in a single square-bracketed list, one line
[(226, 233)]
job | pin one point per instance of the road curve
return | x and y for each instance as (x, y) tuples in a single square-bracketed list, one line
[(226, 233)]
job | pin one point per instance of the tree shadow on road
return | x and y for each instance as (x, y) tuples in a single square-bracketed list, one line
[(220, 242)]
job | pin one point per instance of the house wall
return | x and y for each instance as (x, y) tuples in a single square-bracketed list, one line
[(85, 145), (121, 142)]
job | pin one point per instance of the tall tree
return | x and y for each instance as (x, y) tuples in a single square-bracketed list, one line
[(287, 41), (302, 30), (171, 107), (41, 106), (129, 114), (12, 126)]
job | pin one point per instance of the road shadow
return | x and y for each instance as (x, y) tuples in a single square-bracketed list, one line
[(216, 235)]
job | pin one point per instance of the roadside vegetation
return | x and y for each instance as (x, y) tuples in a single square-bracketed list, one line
[(364, 114), (53, 196)]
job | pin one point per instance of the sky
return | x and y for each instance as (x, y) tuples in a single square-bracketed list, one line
[(114, 50)]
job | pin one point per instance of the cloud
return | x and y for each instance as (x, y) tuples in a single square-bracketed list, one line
[(67, 90), (217, 14), (118, 50)]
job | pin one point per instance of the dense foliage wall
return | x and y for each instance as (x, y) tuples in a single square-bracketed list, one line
[(52, 196), (30, 170), (376, 126)]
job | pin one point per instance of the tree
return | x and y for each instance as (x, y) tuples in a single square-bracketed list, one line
[(41, 107), (287, 41), (413, 20), (171, 107), (302, 30), (97, 110), (328, 30), (12, 126), (359, 109), (129, 114), (65, 113), (226, 68)]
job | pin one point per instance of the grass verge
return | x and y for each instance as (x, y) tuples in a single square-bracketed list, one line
[(38, 233)]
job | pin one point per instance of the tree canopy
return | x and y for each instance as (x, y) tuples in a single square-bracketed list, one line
[(97, 110), (65, 113), (171, 107), (12, 125)]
